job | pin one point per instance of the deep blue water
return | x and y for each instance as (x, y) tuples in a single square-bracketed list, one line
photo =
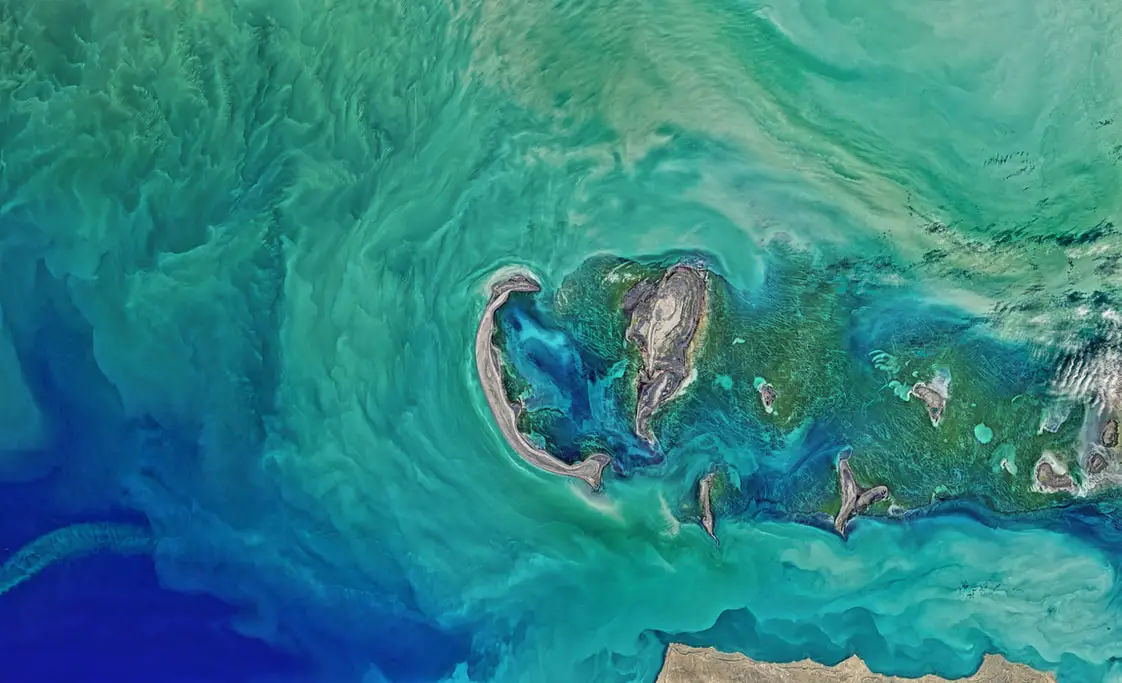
[(106, 618)]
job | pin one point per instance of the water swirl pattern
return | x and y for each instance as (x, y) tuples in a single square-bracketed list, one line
[(822, 355)]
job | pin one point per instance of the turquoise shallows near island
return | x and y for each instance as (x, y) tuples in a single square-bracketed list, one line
[(246, 248)]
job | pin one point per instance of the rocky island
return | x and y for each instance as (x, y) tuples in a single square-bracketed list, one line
[(1051, 477), (704, 496), (934, 395), (1108, 437)]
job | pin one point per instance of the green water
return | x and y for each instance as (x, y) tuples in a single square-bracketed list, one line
[(245, 247)]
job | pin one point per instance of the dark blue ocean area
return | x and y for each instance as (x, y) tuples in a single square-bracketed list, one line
[(107, 618)]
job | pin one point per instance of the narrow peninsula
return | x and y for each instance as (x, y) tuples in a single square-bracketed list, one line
[(487, 362)]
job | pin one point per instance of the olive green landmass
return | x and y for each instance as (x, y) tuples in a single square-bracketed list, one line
[(777, 359)]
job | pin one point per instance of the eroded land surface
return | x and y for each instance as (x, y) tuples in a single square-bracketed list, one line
[(686, 664), (664, 320)]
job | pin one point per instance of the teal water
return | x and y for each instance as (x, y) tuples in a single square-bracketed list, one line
[(814, 334), (245, 247)]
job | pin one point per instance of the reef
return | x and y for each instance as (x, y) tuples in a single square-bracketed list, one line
[(505, 414), (665, 317), (685, 664)]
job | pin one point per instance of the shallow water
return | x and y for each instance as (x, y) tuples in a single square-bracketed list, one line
[(245, 246)]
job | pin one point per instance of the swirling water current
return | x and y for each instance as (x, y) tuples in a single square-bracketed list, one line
[(245, 245)]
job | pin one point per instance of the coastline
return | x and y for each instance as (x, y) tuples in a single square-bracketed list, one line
[(685, 664)]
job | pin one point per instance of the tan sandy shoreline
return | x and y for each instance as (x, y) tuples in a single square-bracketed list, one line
[(591, 469), (685, 664)]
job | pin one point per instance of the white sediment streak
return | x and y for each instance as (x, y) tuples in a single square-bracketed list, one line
[(673, 526), (487, 363), (77, 540)]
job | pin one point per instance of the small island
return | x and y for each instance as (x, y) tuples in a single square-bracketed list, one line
[(856, 499), (705, 499)]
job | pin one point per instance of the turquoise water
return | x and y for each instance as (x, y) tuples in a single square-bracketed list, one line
[(814, 336), (245, 247)]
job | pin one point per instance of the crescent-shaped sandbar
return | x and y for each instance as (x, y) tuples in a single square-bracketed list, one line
[(591, 469)]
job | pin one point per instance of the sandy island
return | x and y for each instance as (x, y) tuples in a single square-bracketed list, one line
[(705, 495), (487, 362), (855, 498)]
